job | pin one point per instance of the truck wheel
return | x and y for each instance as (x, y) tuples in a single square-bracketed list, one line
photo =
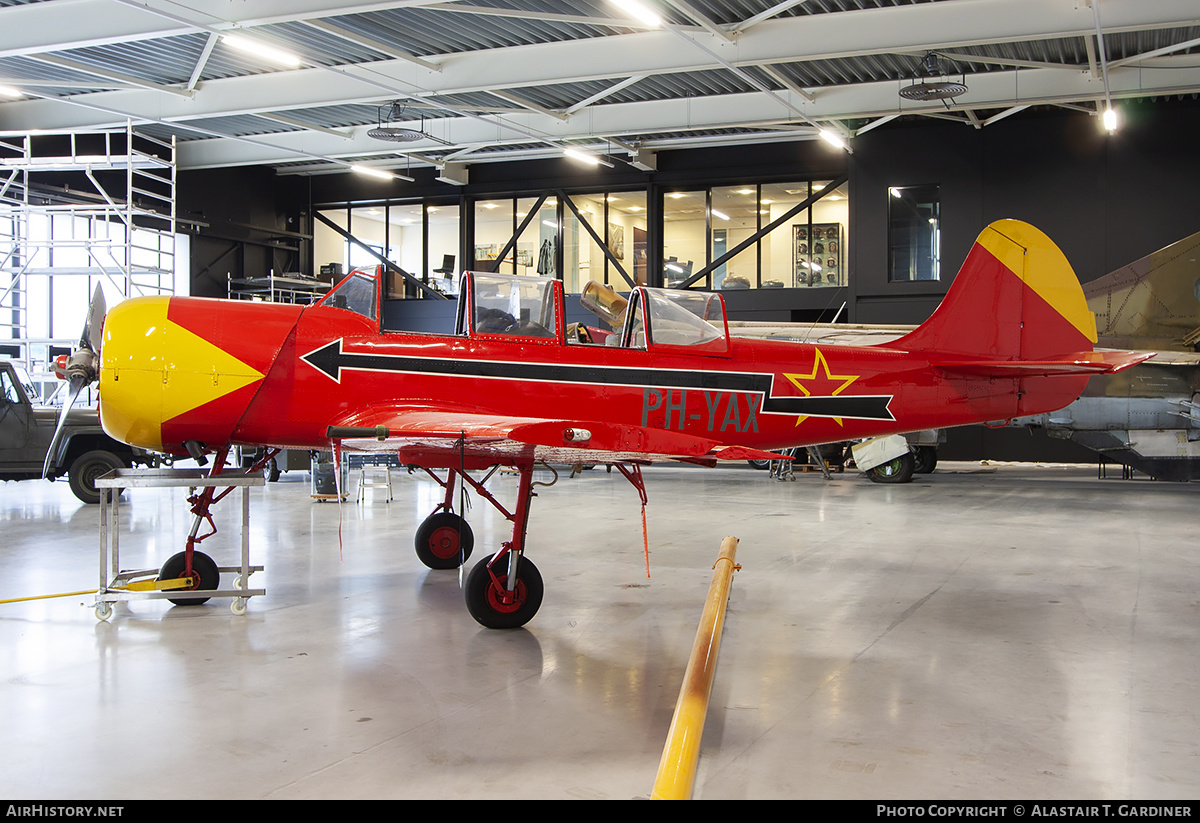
[(87, 469)]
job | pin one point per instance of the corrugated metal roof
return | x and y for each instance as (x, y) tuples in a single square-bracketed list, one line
[(525, 96)]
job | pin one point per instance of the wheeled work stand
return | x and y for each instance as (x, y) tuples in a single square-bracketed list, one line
[(117, 584)]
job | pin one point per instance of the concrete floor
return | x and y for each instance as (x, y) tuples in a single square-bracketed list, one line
[(1003, 633)]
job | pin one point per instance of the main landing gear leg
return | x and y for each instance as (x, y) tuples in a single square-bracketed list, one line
[(444, 540), (196, 566), (504, 591)]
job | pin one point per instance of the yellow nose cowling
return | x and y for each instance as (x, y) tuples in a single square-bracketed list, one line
[(152, 370)]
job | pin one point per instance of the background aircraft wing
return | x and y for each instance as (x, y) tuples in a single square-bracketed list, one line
[(438, 436)]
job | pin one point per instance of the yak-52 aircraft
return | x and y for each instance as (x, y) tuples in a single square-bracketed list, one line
[(508, 388)]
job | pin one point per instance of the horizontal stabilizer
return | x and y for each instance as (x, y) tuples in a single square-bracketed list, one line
[(1092, 362)]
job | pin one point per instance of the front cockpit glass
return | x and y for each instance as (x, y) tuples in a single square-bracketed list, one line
[(516, 306), (356, 293)]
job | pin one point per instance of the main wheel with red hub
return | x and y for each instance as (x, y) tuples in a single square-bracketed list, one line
[(444, 541), (205, 572), (490, 602)]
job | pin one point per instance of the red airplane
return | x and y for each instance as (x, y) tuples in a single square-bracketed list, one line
[(508, 388)]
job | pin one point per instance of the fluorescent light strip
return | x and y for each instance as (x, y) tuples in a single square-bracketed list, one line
[(833, 138), (9, 91), (638, 11), (381, 174), (584, 157), (260, 49)]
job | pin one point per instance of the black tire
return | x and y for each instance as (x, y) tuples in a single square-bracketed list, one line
[(202, 565), (761, 465), (926, 459), (483, 597), (899, 470), (444, 541), (271, 472), (87, 469)]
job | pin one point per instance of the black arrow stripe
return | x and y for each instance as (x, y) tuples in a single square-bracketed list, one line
[(330, 359)]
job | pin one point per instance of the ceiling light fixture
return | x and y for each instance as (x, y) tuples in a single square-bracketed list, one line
[(260, 49), (833, 138), (9, 91), (931, 83), (1110, 119), (639, 11), (379, 174), (722, 215), (584, 157)]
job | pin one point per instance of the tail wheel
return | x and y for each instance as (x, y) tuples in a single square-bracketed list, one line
[(899, 470), (444, 541), (203, 568), (490, 602)]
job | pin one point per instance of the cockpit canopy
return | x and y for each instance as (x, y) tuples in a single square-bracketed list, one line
[(532, 307), (508, 305)]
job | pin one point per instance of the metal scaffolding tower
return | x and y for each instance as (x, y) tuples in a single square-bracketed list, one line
[(77, 210)]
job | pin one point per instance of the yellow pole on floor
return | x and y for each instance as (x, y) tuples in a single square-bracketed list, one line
[(677, 769)]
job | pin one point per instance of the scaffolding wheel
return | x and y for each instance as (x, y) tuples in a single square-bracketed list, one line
[(238, 606)]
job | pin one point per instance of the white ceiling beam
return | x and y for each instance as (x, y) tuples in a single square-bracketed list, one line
[(1150, 55), (550, 17), (608, 92), (624, 121), (517, 100), (44, 27), (778, 77), (951, 24), (369, 42), (702, 19), (300, 124), (876, 123), (1005, 61), (774, 11), (105, 74), (1009, 112), (198, 70)]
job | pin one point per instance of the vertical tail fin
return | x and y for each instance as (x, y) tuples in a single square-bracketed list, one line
[(1014, 332), (1015, 298)]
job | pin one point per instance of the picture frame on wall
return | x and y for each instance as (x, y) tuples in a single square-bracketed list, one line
[(616, 240)]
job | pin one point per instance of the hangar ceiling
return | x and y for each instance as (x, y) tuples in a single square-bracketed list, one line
[(490, 80)]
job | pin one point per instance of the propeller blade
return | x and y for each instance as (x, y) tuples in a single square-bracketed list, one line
[(91, 338), (78, 381), (79, 369)]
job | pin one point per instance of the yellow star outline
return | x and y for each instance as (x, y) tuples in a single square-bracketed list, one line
[(820, 365)]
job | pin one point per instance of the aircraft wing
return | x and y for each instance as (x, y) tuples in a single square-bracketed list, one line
[(423, 435)]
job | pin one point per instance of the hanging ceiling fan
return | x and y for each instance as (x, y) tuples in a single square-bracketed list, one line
[(393, 112), (932, 83)]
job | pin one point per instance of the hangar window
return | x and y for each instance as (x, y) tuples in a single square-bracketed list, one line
[(577, 238), (914, 233), (756, 236), (397, 231)]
